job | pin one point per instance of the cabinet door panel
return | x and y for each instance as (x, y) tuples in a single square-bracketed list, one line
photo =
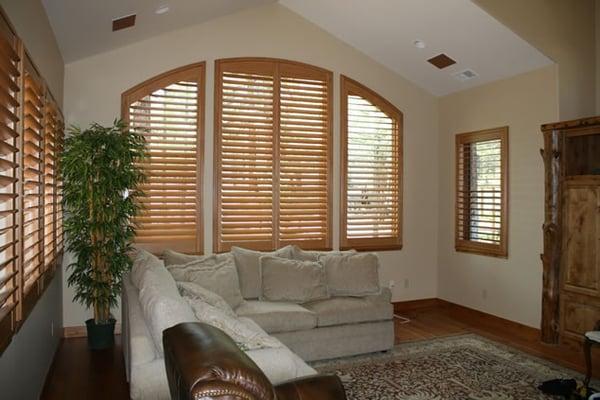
[(578, 316), (581, 267)]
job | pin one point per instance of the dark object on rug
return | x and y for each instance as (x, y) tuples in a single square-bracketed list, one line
[(569, 389)]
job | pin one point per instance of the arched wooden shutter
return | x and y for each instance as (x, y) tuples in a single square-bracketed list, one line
[(9, 142), (371, 131), (169, 112), (272, 154)]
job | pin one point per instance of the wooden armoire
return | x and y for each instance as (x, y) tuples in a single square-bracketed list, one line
[(571, 258)]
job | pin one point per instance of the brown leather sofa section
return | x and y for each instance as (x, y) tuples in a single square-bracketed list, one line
[(202, 362)]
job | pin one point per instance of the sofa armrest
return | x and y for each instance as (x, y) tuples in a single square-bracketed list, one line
[(318, 387), (203, 362)]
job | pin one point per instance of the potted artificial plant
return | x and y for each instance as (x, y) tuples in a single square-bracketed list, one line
[(101, 175)]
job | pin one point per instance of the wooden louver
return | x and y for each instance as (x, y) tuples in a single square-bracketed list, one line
[(168, 112), (273, 154), (9, 142), (481, 192), (53, 133), (32, 171), (371, 170)]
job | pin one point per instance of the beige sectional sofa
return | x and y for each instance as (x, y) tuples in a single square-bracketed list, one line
[(322, 329)]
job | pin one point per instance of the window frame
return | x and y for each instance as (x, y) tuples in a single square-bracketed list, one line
[(255, 63), (348, 87), (135, 93), (472, 246)]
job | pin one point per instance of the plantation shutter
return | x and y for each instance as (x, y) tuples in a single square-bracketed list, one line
[(481, 192), (304, 157), (168, 112), (372, 170), (9, 142), (245, 155), (32, 175), (272, 153), (59, 138), (52, 131)]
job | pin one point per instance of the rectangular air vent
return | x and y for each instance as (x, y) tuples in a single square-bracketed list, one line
[(124, 22), (441, 61), (465, 75)]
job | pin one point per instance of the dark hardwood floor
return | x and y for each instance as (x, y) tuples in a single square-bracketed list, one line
[(78, 373)]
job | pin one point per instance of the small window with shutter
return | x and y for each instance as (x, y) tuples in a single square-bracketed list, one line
[(168, 111), (272, 154), (371, 191), (482, 192)]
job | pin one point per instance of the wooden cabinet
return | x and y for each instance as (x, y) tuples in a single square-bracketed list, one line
[(571, 258)]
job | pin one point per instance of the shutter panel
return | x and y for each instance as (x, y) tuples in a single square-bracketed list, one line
[(32, 175), (168, 112), (9, 142), (52, 130), (481, 192), (272, 147), (245, 151), (372, 159), (305, 157), (58, 206)]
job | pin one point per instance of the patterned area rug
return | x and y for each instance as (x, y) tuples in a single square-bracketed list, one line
[(455, 368)]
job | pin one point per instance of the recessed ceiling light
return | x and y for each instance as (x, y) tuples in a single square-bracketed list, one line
[(419, 44), (162, 9)]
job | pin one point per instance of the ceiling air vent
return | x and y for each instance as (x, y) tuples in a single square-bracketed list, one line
[(124, 22), (465, 75), (441, 61)]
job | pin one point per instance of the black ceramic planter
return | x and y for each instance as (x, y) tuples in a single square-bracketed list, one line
[(100, 336)]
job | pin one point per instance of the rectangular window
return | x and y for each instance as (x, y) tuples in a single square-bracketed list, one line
[(168, 110), (371, 170), (482, 192), (272, 154)]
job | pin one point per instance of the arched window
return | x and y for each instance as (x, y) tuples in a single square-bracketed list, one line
[(272, 154), (371, 189), (168, 110)]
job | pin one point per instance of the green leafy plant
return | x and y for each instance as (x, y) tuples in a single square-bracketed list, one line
[(101, 177)]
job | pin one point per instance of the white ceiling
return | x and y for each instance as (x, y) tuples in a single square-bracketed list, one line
[(383, 29), (84, 27), (386, 29)]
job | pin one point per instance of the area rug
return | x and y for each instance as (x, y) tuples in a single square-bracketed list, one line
[(466, 367)]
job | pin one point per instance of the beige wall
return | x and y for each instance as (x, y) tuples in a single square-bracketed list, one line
[(564, 31), (30, 20), (512, 287), (94, 85)]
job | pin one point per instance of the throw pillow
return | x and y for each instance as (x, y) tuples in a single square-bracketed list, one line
[(220, 277), (292, 280), (304, 255), (174, 258), (196, 292), (247, 336), (162, 311), (351, 274), (248, 266), (148, 270)]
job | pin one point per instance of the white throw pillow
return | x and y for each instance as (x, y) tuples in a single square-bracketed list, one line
[(352, 274), (248, 266), (305, 255), (217, 275), (247, 336), (175, 258), (292, 280), (162, 311), (142, 260), (194, 291), (148, 270)]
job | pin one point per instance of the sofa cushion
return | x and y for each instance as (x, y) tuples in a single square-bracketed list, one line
[(304, 255), (219, 275), (351, 274), (194, 291), (248, 266), (292, 280), (175, 258), (277, 316), (351, 310)]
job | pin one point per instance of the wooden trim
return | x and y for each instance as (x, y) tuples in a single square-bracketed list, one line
[(571, 124), (401, 307), (348, 86), (80, 331), (471, 246)]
